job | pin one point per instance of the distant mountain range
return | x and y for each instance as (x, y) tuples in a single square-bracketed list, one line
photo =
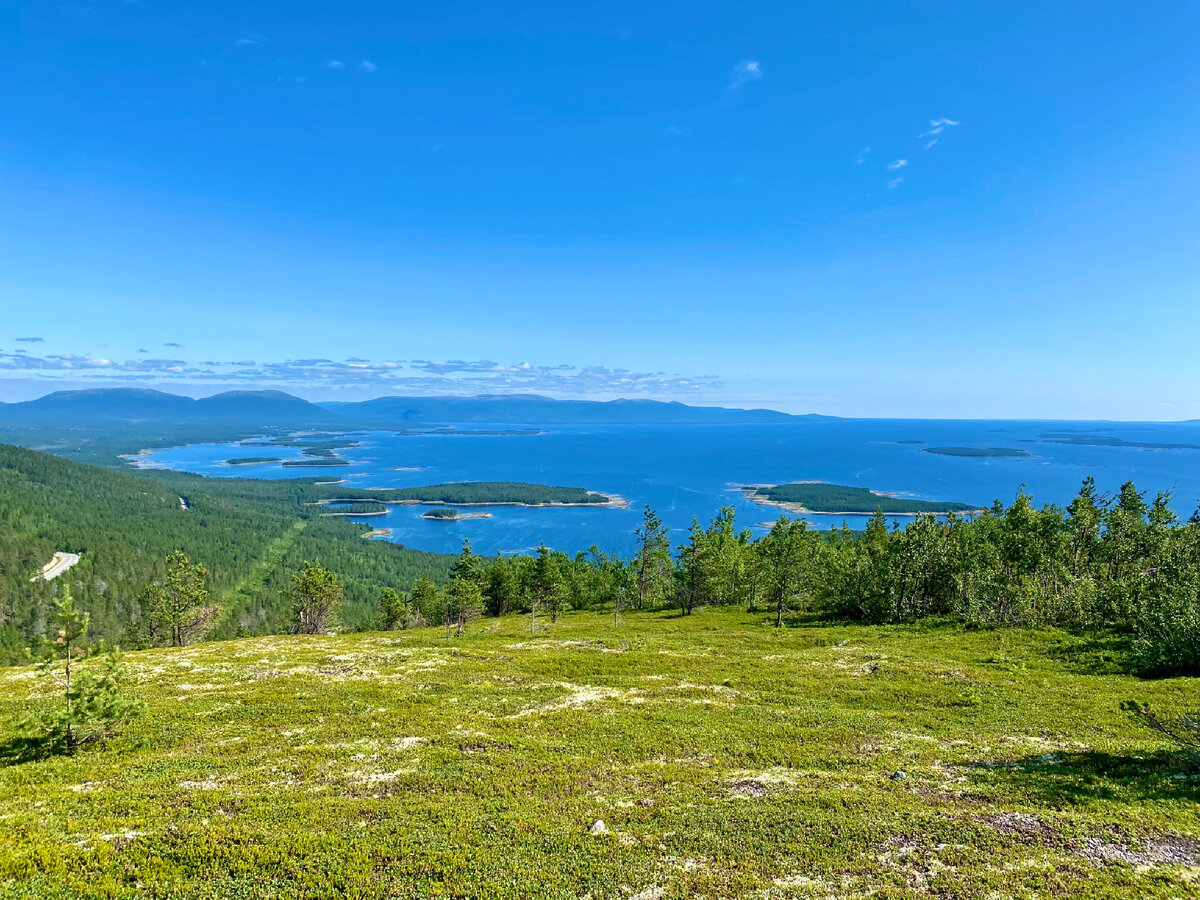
[(135, 406), (531, 409), (132, 406)]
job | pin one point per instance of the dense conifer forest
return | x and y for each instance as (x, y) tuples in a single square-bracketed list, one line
[(248, 534)]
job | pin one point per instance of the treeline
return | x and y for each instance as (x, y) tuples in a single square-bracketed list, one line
[(125, 526), (1117, 563)]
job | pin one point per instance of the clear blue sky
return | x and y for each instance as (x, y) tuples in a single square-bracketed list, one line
[(897, 209)]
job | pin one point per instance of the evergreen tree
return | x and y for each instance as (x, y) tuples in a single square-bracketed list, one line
[(316, 596), (93, 704), (179, 611), (426, 599), (653, 559), (393, 610)]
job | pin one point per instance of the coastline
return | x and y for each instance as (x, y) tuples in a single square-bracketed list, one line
[(748, 491), (614, 501)]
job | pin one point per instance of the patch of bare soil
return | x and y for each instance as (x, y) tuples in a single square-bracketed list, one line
[(1165, 850), (749, 787), (1113, 847)]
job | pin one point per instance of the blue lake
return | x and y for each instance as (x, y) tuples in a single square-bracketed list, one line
[(686, 471)]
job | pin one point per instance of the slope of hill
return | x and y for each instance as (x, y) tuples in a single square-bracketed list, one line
[(133, 405), (123, 525), (724, 759)]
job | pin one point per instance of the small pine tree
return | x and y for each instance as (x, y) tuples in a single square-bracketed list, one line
[(426, 600), (393, 610), (464, 603), (179, 609), (316, 596), (94, 705)]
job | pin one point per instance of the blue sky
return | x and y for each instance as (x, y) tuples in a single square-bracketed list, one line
[(904, 209)]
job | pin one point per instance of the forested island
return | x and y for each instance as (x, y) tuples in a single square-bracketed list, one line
[(314, 463), (818, 497), (488, 493), (442, 514), (353, 508), (251, 461), (980, 452)]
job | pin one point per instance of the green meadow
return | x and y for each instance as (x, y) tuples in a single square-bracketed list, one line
[(724, 757)]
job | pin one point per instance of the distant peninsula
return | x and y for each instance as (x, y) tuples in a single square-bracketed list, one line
[(1104, 440), (478, 493), (819, 498), (980, 452)]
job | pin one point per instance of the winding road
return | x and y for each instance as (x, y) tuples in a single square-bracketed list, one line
[(58, 565)]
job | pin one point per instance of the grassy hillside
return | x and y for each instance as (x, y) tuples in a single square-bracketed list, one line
[(726, 759), (124, 525)]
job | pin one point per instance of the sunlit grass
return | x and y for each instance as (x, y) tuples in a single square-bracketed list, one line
[(725, 758)]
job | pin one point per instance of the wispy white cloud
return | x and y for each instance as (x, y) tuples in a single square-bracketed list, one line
[(931, 143), (936, 127), (862, 155), (334, 64), (252, 40), (461, 377), (894, 183), (367, 66), (746, 71), (897, 164)]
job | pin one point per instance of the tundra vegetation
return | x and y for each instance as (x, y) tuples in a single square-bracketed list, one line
[(726, 757)]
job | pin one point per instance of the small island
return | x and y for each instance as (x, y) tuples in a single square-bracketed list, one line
[(314, 463), (252, 461), (310, 447), (819, 498), (445, 514), (980, 452)]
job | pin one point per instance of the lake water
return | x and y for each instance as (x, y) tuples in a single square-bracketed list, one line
[(686, 471)]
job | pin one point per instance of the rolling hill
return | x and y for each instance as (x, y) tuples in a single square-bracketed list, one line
[(250, 535)]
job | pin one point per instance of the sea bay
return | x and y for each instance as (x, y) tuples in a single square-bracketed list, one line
[(686, 471)]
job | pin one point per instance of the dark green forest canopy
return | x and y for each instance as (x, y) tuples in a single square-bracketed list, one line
[(980, 452), (469, 493), (356, 508), (250, 534), (838, 498)]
